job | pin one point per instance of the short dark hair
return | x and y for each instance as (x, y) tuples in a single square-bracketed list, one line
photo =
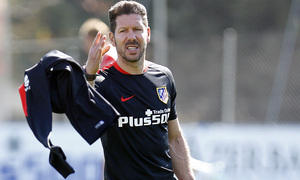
[(126, 7)]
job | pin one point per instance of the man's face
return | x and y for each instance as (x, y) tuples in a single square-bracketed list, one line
[(131, 37)]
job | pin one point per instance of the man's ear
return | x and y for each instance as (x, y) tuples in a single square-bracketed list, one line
[(112, 39), (149, 34)]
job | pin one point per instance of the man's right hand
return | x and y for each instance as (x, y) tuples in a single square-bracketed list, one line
[(96, 52)]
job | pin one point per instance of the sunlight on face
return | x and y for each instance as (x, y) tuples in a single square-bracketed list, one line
[(131, 37)]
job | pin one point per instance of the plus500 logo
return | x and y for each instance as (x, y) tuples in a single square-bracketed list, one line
[(152, 118)]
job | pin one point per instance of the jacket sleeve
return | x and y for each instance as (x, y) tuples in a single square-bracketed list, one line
[(38, 103)]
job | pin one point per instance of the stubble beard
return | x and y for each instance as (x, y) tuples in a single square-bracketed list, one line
[(129, 59)]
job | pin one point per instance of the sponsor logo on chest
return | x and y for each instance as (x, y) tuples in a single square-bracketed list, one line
[(152, 117)]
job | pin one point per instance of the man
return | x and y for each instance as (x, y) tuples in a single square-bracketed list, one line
[(146, 142)]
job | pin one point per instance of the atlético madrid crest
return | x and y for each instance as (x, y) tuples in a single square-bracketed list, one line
[(163, 94)]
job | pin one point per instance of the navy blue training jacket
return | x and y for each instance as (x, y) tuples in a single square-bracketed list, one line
[(57, 84)]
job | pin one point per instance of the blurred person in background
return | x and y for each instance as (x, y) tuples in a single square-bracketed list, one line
[(147, 141), (87, 34)]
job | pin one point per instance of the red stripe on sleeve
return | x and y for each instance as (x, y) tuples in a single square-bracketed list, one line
[(23, 98)]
